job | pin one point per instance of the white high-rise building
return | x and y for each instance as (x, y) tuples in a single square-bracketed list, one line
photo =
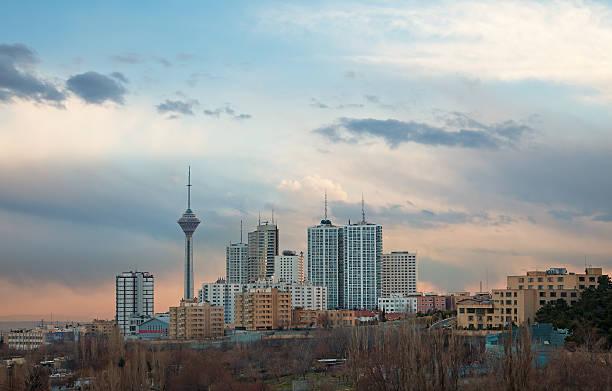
[(134, 297), (325, 262), (289, 267), (362, 264), (263, 247), (237, 263), (221, 294), (399, 273)]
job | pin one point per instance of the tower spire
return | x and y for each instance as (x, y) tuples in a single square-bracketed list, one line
[(362, 209), (325, 204), (189, 188)]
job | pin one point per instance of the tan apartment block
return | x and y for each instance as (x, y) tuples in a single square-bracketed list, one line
[(525, 295), (263, 309), (323, 318), (194, 320)]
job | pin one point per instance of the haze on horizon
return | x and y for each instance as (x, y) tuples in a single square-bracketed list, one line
[(480, 134)]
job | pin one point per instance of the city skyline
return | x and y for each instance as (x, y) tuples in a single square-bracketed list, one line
[(486, 162)]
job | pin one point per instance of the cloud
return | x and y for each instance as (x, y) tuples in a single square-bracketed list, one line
[(507, 41), (395, 132), (119, 76), (177, 106), (18, 78), (227, 110), (314, 102), (604, 217), (128, 58), (96, 88)]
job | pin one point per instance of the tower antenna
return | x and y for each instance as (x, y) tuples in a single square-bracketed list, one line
[(189, 188), (362, 209), (325, 204), (240, 230), (272, 216), (259, 221)]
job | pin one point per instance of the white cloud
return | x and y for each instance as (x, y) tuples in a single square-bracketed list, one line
[(568, 42)]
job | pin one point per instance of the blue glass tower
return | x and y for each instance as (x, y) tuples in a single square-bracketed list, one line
[(188, 223)]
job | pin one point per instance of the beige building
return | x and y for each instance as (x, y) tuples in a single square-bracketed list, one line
[(322, 318), (194, 320), (399, 273), (100, 327), (524, 296), (25, 339), (263, 309)]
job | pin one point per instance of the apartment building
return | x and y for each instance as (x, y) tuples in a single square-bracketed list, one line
[(289, 267), (396, 303), (525, 295), (431, 302), (134, 296), (399, 273), (196, 320), (25, 339), (263, 309), (100, 327), (322, 319)]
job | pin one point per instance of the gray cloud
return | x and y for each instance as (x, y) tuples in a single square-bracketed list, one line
[(422, 219), (604, 217), (19, 80), (120, 76), (395, 133), (128, 58), (227, 110), (316, 103), (96, 88), (177, 106)]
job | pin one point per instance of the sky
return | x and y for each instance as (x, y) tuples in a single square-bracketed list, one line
[(478, 132)]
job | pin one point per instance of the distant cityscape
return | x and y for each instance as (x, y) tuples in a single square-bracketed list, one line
[(345, 279)]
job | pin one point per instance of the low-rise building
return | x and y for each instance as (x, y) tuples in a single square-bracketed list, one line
[(196, 320), (397, 303), (25, 339), (431, 302), (155, 328), (525, 295), (322, 318), (475, 314), (263, 309), (100, 327)]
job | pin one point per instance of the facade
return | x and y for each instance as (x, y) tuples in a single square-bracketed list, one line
[(325, 261), (399, 273), (322, 319), (263, 309), (396, 303), (429, 303), (100, 327), (188, 223), (475, 313), (362, 265), (134, 296), (237, 263), (155, 328), (525, 295), (196, 320), (25, 339), (262, 248), (305, 296), (289, 267)]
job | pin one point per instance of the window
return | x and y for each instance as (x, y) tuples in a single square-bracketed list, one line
[(580, 278), (520, 287), (559, 286), (559, 279), (573, 294), (563, 294), (540, 286), (581, 286), (542, 302), (553, 294), (550, 287), (540, 279), (542, 294)]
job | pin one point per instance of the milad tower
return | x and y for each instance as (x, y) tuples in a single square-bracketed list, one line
[(188, 222)]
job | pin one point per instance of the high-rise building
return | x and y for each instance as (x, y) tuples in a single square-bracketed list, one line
[(188, 223), (263, 247), (134, 297), (362, 264), (237, 263), (325, 259), (399, 273), (289, 267)]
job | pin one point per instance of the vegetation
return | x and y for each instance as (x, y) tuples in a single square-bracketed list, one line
[(589, 320), (398, 356)]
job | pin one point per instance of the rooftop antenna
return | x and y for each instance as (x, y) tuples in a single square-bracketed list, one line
[(240, 230), (259, 221), (325, 204), (272, 216), (362, 209), (189, 188)]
